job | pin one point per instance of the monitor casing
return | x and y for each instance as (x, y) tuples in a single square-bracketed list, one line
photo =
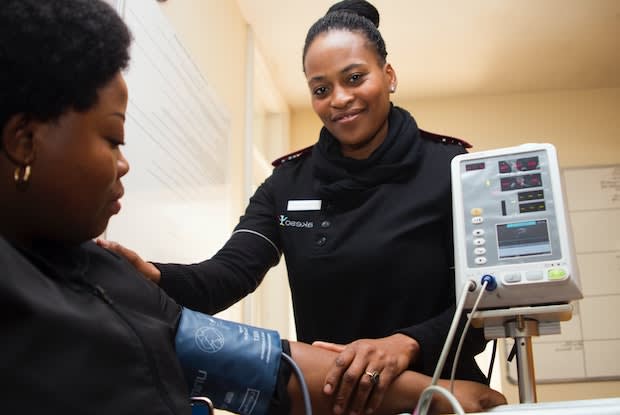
[(511, 222)]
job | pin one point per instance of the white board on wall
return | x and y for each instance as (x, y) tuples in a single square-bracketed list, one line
[(588, 349), (176, 204)]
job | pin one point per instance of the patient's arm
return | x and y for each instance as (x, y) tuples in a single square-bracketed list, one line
[(401, 396)]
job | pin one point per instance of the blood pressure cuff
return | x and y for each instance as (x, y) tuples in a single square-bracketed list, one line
[(233, 364)]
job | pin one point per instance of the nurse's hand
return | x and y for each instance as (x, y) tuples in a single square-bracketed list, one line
[(147, 269), (350, 378)]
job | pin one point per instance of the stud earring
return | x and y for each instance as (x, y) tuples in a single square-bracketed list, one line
[(393, 88)]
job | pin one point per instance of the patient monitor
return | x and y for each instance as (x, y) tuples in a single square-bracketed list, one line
[(510, 223), (512, 237)]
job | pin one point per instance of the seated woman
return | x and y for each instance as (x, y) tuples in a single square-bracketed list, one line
[(82, 331)]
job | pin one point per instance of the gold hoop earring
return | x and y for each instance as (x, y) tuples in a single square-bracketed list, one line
[(21, 176)]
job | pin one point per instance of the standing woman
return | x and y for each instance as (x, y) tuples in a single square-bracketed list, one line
[(363, 218)]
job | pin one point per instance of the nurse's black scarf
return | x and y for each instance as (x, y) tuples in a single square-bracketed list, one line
[(394, 160)]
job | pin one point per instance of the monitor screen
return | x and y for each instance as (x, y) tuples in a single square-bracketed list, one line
[(524, 238)]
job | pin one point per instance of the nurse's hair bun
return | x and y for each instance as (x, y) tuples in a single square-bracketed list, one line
[(359, 7)]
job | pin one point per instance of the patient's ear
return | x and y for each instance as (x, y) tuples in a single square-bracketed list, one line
[(18, 139)]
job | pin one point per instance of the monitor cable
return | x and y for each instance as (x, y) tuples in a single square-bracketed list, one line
[(488, 284), (485, 284), (302, 383)]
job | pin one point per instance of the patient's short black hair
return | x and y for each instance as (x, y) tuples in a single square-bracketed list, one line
[(56, 54)]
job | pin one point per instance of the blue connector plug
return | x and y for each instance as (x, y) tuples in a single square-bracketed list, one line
[(490, 280)]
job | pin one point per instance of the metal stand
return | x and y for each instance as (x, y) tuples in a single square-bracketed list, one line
[(521, 323)]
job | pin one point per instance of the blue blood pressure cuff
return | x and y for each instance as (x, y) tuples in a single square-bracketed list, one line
[(233, 364)]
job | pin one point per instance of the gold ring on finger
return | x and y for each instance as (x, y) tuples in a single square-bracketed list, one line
[(374, 376)]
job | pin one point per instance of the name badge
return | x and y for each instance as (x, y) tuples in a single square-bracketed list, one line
[(297, 205)]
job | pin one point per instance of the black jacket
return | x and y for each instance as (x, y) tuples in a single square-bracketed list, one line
[(83, 333), (375, 258)]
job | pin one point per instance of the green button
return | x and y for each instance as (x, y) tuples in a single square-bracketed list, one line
[(556, 274)]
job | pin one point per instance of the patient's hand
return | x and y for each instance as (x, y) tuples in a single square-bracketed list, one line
[(473, 397), (147, 269)]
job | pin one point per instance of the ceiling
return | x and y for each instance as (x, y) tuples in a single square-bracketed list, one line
[(442, 48)]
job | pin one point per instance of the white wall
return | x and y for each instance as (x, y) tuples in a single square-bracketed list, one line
[(201, 26), (216, 36), (584, 125)]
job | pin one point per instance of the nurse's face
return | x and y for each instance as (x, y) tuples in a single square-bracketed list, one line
[(350, 90)]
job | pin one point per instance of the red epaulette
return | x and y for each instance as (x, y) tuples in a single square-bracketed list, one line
[(299, 153), (445, 139)]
